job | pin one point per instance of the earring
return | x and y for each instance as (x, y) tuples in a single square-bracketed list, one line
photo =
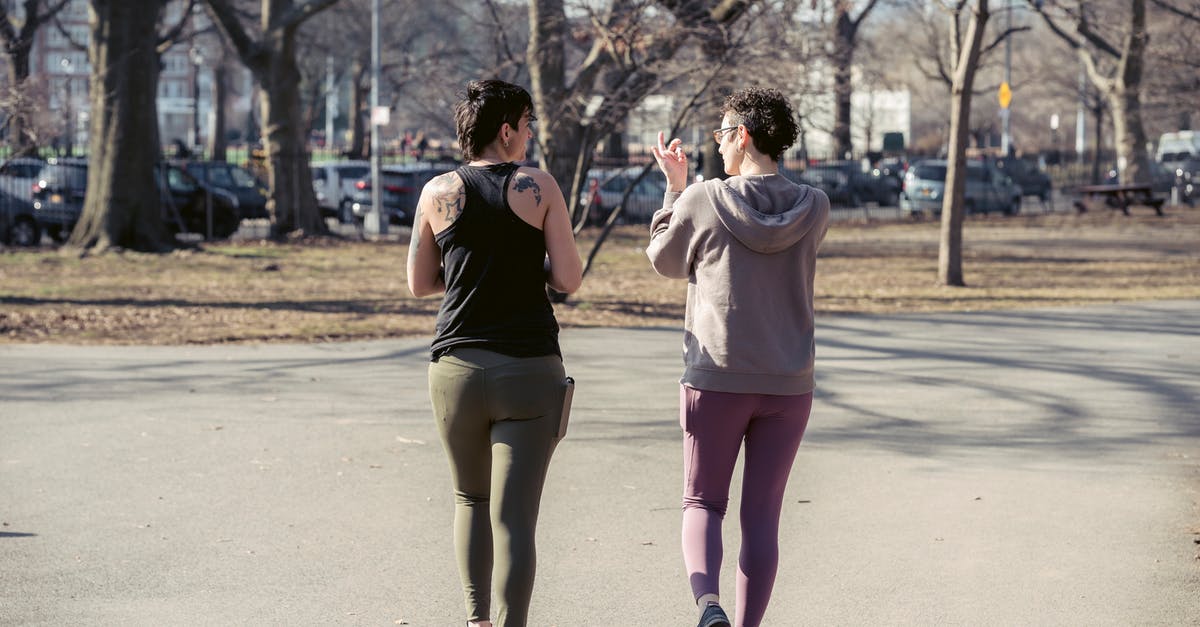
[(506, 143)]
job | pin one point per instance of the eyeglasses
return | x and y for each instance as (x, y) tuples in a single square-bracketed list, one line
[(720, 133)]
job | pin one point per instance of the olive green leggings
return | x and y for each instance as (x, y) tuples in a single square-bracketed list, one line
[(498, 417)]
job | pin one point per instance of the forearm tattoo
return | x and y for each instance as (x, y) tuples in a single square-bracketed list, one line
[(524, 182)]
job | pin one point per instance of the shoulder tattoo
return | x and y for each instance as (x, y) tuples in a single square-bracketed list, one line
[(449, 196), (524, 183)]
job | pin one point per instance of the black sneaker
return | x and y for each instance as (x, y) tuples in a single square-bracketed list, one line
[(713, 616)]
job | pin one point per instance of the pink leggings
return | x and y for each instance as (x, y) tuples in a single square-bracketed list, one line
[(714, 424)]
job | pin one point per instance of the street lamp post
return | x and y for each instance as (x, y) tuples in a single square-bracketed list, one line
[(68, 93), (197, 58), (1054, 137), (376, 222)]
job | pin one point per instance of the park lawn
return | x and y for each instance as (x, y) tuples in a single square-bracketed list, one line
[(329, 289)]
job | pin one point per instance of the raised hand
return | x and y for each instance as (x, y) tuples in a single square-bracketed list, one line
[(673, 162)]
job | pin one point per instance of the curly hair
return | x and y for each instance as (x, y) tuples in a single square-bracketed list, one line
[(483, 109), (767, 116)]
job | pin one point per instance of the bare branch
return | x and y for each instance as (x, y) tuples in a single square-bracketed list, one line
[(226, 17), (298, 13), (1195, 17), (171, 37)]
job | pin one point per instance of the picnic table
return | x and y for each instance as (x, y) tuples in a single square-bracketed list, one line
[(1118, 197)]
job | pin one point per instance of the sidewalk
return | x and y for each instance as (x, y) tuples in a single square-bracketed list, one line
[(1011, 468)]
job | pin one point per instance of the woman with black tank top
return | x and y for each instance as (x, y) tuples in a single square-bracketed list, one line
[(491, 235)]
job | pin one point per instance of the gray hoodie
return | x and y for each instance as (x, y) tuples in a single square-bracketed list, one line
[(748, 247)]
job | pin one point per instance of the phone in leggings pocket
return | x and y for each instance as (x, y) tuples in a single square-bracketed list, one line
[(568, 392)]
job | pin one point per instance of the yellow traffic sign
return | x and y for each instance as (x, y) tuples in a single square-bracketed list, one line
[(1005, 95)]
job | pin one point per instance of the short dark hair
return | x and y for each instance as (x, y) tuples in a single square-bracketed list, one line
[(483, 109), (767, 116)]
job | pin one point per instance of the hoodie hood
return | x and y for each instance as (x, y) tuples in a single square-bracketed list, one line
[(767, 213)]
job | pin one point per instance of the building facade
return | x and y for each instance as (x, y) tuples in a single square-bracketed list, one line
[(185, 92)]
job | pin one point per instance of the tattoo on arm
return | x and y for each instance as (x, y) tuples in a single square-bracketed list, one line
[(449, 199), (524, 182)]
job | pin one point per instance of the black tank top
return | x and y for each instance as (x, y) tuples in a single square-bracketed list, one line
[(495, 274)]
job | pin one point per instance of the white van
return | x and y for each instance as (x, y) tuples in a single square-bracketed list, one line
[(1178, 146)]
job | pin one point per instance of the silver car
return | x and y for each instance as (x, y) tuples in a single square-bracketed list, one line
[(333, 183), (987, 189)]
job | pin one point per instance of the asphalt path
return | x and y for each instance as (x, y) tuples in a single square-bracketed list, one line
[(1036, 467)]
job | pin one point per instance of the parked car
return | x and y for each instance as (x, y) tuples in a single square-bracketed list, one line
[(401, 190), (643, 201), (1182, 178), (1027, 176), (333, 182), (849, 184), (58, 196), (186, 200), (59, 192), (18, 226), (1178, 146), (987, 188), (251, 192), (18, 175)]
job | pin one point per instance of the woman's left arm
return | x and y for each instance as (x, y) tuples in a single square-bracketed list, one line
[(566, 269)]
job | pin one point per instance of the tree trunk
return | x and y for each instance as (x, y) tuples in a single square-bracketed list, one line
[(217, 144), (564, 152), (950, 245), (359, 138), (714, 167), (293, 204), (18, 73), (1097, 153), (123, 207), (1125, 102), (843, 59)]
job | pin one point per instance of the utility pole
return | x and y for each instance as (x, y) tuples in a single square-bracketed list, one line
[(197, 58), (376, 222), (1081, 115), (1005, 112), (331, 103)]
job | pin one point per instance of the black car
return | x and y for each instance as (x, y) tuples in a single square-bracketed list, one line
[(402, 186), (250, 191), (18, 226), (59, 191), (847, 183), (58, 194), (1027, 176)]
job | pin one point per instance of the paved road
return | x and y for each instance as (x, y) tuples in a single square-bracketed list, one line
[(1019, 468)]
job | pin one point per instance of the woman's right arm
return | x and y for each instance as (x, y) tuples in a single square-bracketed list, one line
[(424, 256)]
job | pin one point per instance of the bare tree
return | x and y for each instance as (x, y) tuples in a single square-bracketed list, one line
[(966, 48), (620, 68), (1173, 76), (122, 207), (271, 58), (845, 28), (430, 45), (23, 110), (1115, 69), (18, 44)]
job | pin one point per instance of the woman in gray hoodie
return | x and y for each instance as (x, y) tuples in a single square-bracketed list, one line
[(748, 248)]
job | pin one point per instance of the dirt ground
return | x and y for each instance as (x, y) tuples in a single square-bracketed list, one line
[(332, 289)]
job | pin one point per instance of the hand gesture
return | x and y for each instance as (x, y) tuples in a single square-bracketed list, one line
[(672, 160)]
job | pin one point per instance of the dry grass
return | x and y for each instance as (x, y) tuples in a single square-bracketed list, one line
[(333, 290)]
